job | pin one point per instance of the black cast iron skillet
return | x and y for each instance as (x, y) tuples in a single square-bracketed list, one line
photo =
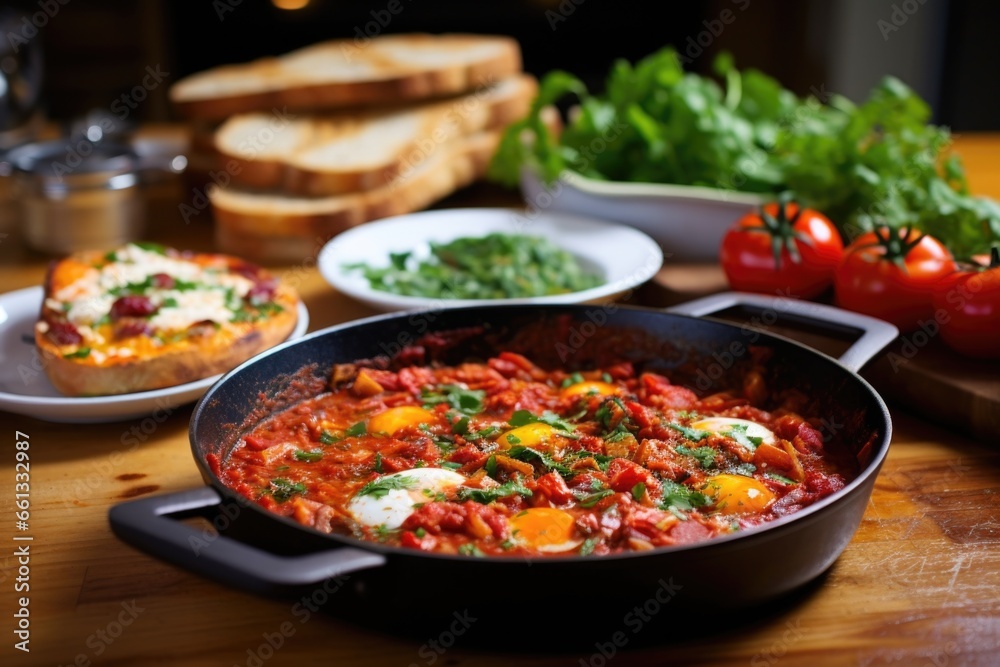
[(268, 554)]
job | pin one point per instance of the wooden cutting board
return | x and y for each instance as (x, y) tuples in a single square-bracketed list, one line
[(916, 372)]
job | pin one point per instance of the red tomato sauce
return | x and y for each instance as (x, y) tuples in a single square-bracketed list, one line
[(504, 458)]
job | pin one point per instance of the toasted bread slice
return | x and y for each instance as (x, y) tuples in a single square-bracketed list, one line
[(144, 317), (281, 228), (346, 73), (337, 154)]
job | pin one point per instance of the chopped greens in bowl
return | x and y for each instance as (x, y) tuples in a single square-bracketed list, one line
[(494, 266), (863, 165)]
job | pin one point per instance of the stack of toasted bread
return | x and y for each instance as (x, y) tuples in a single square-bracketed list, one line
[(306, 145)]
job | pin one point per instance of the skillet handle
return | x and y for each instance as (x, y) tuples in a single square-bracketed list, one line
[(875, 333), (147, 525)]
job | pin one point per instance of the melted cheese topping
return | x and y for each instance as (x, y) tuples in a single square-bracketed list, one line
[(88, 299)]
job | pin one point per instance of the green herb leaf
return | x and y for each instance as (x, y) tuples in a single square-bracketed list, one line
[(327, 437), (588, 545), (677, 496), (704, 455), (692, 434), (357, 429), (591, 499), (79, 353), (380, 488), (466, 401), (310, 456), (738, 432), (283, 489), (491, 466), (639, 491), (378, 462), (471, 550), (528, 454), (779, 478), (486, 496), (524, 417)]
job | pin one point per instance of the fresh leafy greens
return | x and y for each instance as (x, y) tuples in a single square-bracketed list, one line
[(705, 456), (863, 165), (529, 454)]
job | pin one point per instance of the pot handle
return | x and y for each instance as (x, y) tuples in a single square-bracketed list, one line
[(146, 524), (875, 333)]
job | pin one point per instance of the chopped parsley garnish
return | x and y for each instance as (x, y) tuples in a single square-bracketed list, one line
[(606, 414), (639, 491), (575, 378), (182, 285), (283, 489), (513, 440), (471, 550), (529, 454), (132, 288), (704, 455), (738, 432), (486, 496), (606, 377), (169, 302), (591, 499), (620, 433), (311, 456), (680, 498), (588, 545), (459, 424), (484, 433), (492, 266), (378, 461), (692, 434), (327, 437), (81, 353), (466, 401), (149, 246), (779, 478), (357, 430), (451, 465), (525, 417), (491, 466), (380, 488)]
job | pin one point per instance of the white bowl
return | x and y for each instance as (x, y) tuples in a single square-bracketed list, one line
[(688, 222), (622, 256)]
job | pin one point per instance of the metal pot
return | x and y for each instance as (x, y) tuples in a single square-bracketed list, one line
[(402, 588), (76, 194)]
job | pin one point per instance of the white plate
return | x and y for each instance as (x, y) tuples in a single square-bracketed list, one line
[(623, 256), (26, 390), (687, 221)]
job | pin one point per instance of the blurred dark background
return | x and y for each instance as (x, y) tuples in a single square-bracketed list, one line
[(97, 50)]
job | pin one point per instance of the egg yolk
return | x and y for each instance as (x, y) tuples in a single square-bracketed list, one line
[(545, 529), (588, 388), (396, 419), (724, 425), (535, 435), (736, 494)]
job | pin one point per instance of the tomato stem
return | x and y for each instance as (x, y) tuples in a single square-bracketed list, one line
[(781, 228)]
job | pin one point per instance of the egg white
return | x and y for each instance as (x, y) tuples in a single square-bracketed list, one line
[(722, 424), (396, 505)]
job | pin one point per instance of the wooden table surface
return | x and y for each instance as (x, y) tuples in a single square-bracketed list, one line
[(918, 585)]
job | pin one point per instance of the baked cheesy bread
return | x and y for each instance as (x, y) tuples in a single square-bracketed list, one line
[(146, 317)]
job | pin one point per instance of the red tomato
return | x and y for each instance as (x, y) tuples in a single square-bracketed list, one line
[(782, 249), (967, 304), (892, 276)]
